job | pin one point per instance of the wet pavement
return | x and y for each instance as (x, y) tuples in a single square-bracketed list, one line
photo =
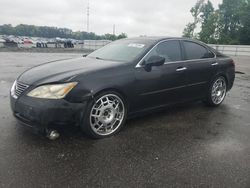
[(185, 146)]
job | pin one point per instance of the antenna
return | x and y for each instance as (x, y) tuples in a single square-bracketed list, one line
[(88, 17)]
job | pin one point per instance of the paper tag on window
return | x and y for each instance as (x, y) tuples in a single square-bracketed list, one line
[(136, 45)]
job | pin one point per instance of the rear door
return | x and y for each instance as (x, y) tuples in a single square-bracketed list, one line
[(201, 66)]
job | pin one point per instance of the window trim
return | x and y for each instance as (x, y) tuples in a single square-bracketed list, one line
[(178, 45), (139, 64), (200, 44)]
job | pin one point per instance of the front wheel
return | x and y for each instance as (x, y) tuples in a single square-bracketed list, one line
[(105, 116), (217, 91)]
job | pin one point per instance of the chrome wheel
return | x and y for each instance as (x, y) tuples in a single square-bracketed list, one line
[(107, 114), (219, 90)]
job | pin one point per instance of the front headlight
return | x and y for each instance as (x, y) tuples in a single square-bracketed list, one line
[(54, 91), (12, 90)]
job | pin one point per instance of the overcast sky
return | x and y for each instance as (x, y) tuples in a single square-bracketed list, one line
[(134, 17)]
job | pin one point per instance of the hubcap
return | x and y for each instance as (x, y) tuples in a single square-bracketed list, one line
[(219, 90), (107, 114)]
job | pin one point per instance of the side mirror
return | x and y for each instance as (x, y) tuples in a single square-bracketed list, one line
[(154, 61)]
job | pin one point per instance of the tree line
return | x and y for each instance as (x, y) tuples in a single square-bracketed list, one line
[(53, 32), (229, 24)]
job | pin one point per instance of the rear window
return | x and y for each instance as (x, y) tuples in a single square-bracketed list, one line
[(196, 51)]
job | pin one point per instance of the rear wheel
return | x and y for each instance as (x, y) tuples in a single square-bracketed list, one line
[(217, 91), (105, 116)]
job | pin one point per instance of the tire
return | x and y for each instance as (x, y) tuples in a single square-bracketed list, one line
[(105, 115), (217, 92)]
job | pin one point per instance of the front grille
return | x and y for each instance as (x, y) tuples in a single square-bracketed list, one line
[(20, 88)]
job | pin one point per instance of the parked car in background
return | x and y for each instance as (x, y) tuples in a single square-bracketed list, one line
[(130, 76), (2, 41)]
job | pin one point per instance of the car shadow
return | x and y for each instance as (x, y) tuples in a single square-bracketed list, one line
[(170, 119)]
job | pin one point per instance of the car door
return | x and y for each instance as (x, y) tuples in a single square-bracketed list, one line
[(163, 84), (201, 66)]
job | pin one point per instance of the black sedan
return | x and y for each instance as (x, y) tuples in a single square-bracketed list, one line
[(130, 76)]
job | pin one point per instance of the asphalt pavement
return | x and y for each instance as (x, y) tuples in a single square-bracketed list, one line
[(183, 146)]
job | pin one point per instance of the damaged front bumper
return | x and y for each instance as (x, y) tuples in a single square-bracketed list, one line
[(43, 114)]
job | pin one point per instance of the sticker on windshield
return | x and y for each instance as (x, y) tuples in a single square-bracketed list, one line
[(136, 45)]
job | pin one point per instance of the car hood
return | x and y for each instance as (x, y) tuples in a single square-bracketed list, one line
[(63, 70)]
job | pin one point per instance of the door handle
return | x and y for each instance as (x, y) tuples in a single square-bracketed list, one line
[(214, 64), (181, 69)]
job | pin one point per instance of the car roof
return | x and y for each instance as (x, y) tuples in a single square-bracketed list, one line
[(155, 39), (158, 38)]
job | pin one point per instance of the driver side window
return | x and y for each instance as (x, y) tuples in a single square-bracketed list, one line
[(170, 50)]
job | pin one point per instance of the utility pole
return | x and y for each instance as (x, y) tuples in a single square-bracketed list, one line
[(114, 29), (88, 17)]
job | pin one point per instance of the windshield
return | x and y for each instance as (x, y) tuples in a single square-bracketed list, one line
[(122, 50)]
